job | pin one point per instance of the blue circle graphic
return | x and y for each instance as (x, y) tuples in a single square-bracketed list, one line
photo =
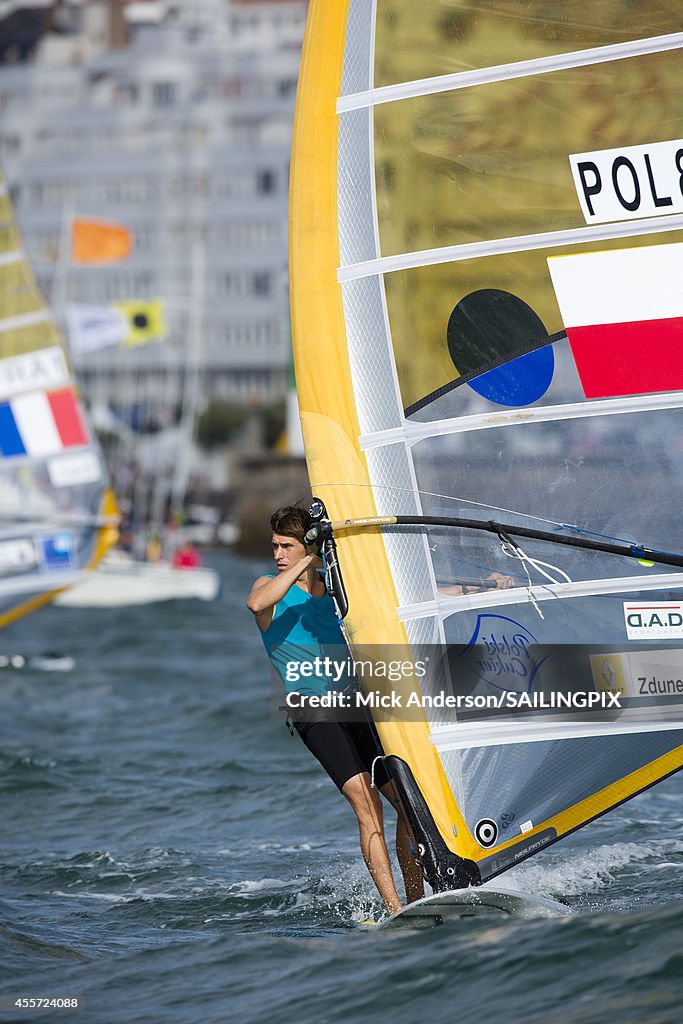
[(521, 381)]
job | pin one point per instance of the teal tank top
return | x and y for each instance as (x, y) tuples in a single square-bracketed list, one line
[(304, 628)]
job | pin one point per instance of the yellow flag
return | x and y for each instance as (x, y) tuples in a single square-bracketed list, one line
[(99, 241), (146, 320)]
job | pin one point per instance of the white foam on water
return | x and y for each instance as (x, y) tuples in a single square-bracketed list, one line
[(579, 872), (250, 886), (352, 896), (249, 849), (307, 847), (104, 897)]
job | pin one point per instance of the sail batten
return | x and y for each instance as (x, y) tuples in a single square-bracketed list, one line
[(411, 432), (13, 323), (508, 72), (15, 256), (464, 738), (506, 245), (445, 606)]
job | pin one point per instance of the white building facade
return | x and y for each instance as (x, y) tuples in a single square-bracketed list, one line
[(182, 132)]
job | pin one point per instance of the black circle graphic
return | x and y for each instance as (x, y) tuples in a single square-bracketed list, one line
[(489, 327), (141, 320), (486, 832)]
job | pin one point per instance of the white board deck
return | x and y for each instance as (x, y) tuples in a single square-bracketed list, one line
[(484, 900)]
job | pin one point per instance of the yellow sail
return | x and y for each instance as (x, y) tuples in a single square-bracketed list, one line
[(446, 161)]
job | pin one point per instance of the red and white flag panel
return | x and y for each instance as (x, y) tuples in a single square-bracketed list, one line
[(623, 314)]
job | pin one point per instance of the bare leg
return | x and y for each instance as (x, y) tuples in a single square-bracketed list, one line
[(412, 875), (368, 810)]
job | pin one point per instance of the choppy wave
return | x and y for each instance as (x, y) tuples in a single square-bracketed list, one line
[(170, 854), (605, 870)]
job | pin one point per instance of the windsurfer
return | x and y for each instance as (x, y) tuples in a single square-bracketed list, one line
[(294, 613)]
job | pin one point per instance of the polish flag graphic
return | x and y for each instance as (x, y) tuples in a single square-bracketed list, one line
[(41, 423), (623, 314)]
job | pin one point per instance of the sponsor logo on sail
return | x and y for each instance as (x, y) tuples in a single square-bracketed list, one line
[(57, 551), (642, 674), (649, 619), (32, 371), (503, 653), (486, 832), (630, 182)]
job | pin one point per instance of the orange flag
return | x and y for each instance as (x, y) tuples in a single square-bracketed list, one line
[(99, 241)]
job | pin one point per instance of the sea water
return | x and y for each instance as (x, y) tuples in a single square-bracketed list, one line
[(170, 854)]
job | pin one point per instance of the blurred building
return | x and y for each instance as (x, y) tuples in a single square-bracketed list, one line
[(174, 119)]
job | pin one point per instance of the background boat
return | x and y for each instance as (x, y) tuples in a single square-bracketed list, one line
[(150, 463), (121, 581)]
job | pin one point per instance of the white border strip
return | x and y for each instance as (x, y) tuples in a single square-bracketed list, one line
[(445, 606), (413, 431), (505, 72), (494, 734), (504, 246), (14, 323)]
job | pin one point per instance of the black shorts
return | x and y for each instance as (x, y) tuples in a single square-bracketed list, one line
[(344, 749)]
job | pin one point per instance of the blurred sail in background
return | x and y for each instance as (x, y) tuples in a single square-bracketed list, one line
[(57, 515)]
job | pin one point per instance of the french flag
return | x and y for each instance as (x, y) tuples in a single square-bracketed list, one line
[(623, 314), (39, 424)]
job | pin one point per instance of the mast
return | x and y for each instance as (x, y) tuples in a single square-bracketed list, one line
[(192, 377)]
